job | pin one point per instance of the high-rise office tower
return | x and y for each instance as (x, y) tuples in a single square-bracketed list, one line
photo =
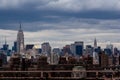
[(79, 46), (46, 48), (66, 49), (110, 46), (57, 50), (20, 41), (54, 58), (103, 59), (72, 49), (95, 58), (14, 48), (5, 46), (89, 50), (108, 51)]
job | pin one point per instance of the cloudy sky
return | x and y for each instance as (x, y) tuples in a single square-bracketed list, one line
[(61, 21)]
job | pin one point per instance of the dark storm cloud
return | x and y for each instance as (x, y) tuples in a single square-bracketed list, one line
[(59, 14), (61, 21)]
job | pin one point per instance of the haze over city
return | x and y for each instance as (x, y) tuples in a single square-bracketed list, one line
[(61, 22)]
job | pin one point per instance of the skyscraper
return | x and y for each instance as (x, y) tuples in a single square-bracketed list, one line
[(5, 46), (66, 49), (95, 58), (54, 58), (14, 48), (72, 48), (79, 48), (89, 50), (20, 41), (110, 46), (46, 48), (57, 50)]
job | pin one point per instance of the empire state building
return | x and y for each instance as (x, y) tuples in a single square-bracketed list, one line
[(20, 41)]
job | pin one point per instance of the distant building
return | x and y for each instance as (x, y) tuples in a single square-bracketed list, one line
[(46, 48), (110, 60), (62, 60), (98, 49), (54, 58), (20, 41), (104, 59), (39, 50), (79, 48), (5, 47), (116, 51), (31, 51), (72, 60), (3, 57), (14, 48), (110, 46), (108, 51), (72, 49), (115, 59), (66, 49), (56, 50), (95, 58), (119, 60), (42, 60), (29, 46), (89, 50)]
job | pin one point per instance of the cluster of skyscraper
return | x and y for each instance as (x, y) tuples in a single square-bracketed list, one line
[(75, 49)]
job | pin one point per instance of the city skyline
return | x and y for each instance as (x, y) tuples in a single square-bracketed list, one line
[(64, 43), (61, 22)]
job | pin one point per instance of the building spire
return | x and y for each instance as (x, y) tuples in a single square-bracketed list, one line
[(20, 26), (95, 43), (5, 40)]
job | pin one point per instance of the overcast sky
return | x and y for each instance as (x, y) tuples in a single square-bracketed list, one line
[(61, 21)]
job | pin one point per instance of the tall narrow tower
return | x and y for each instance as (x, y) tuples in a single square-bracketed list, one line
[(5, 46), (95, 43), (20, 41)]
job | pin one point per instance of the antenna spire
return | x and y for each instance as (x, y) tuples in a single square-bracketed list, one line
[(20, 26), (5, 40), (95, 43)]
